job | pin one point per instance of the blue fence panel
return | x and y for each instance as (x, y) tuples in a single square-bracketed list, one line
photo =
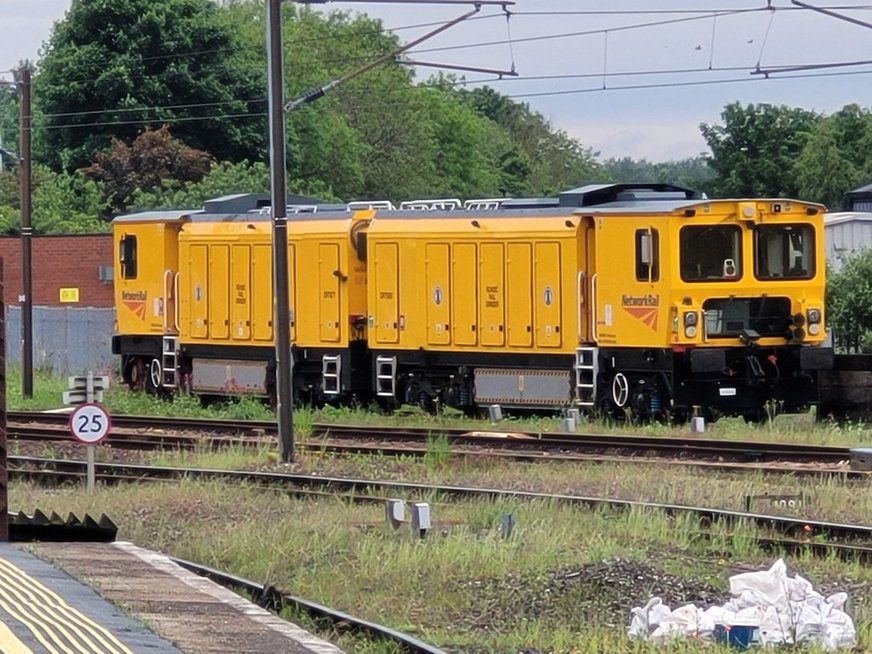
[(66, 340)]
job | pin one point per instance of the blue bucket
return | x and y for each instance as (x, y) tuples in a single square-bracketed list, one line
[(737, 636)]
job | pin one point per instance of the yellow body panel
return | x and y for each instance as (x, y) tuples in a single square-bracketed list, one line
[(261, 293), (500, 283), (386, 301), (240, 293), (226, 283), (491, 294), (218, 291), (438, 264), (145, 303), (194, 301), (548, 294), (519, 302), (464, 294), (649, 313)]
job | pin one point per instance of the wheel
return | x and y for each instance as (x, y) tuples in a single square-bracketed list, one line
[(620, 390), (154, 377), (135, 374)]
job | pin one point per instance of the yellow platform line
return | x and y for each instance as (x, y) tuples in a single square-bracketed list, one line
[(10, 643), (50, 618)]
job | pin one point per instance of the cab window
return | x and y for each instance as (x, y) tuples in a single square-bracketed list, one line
[(647, 255), (784, 252), (710, 252), (127, 256)]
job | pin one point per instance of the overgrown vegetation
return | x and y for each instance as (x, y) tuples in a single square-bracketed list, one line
[(849, 302), (563, 583)]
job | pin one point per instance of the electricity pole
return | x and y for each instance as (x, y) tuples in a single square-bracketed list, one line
[(22, 78), (281, 304), (278, 211)]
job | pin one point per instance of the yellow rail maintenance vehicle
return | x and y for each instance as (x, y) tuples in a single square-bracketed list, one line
[(619, 299), (207, 322), (613, 298)]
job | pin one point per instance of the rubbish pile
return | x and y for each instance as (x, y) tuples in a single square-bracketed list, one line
[(767, 608)]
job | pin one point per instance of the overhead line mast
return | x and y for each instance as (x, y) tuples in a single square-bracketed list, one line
[(278, 211)]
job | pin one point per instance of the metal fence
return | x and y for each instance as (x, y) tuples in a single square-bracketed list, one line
[(66, 340)]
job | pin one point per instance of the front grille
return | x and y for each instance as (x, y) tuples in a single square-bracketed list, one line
[(729, 317)]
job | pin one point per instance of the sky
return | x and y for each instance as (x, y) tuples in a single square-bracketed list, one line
[(627, 78)]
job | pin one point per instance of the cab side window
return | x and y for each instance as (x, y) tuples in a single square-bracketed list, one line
[(127, 256), (647, 255)]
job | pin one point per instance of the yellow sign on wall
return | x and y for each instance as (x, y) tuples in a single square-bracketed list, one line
[(69, 295)]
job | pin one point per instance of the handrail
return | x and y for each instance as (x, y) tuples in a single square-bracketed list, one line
[(164, 298), (579, 291), (176, 302), (593, 316)]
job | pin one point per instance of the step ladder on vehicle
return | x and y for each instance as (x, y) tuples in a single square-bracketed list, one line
[(169, 361), (386, 376), (586, 369), (331, 369)]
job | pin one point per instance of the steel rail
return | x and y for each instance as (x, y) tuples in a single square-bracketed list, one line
[(184, 441), (365, 488), (270, 598), (550, 441)]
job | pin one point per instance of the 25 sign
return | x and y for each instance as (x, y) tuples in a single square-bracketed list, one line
[(90, 423)]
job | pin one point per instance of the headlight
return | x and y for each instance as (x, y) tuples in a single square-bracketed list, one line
[(814, 316), (690, 320)]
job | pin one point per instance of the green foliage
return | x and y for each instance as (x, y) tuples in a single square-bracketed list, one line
[(824, 172), (223, 178), (532, 156), (147, 62), (849, 302), (62, 203), (837, 157), (693, 172), (754, 151)]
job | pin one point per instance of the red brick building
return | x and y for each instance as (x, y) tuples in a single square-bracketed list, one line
[(59, 261)]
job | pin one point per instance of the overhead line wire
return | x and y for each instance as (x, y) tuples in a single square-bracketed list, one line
[(412, 102)]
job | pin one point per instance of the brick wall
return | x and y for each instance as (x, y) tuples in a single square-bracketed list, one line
[(59, 261)]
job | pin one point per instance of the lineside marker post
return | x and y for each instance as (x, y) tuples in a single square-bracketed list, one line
[(90, 424)]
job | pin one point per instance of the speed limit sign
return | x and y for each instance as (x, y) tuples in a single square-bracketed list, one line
[(90, 423)]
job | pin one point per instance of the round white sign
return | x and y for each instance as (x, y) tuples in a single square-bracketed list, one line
[(90, 423)]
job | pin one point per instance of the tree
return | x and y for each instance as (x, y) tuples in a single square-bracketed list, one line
[(754, 151), (824, 171), (155, 156), (63, 203), (551, 160), (849, 302), (114, 66), (692, 172), (241, 177)]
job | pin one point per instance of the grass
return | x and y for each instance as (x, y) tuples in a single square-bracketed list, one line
[(463, 587), (47, 391)]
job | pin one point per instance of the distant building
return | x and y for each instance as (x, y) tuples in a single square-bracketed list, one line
[(859, 199), (849, 231), (846, 232)]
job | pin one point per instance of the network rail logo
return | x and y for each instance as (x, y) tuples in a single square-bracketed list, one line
[(135, 301), (643, 307)]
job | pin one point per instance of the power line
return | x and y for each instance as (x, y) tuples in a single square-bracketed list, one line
[(411, 102)]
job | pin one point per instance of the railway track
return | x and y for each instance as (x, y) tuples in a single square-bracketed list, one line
[(144, 432), (849, 541), (275, 601)]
